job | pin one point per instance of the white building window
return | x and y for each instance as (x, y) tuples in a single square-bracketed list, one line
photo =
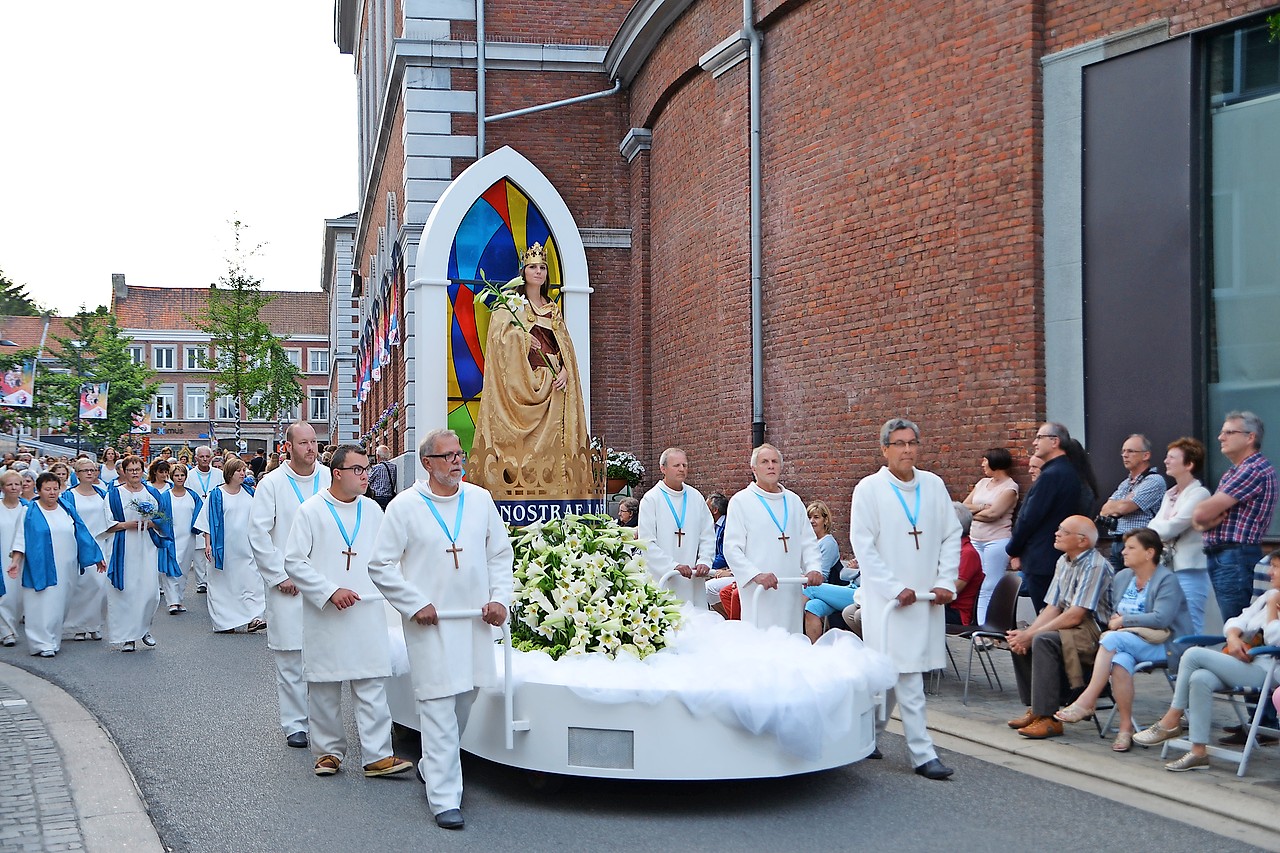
[(135, 354), (164, 405), (162, 358), (295, 357), (292, 414), (197, 403), (319, 360), (191, 358), (318, 404), (227, 408)]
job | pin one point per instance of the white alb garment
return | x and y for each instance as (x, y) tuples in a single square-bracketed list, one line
[(657, 525), (45, 609), (752, 546), (184, 546), (11, 601)]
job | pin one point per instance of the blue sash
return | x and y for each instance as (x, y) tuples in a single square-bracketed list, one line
[(38, 568), (161, 532), (217, 531)]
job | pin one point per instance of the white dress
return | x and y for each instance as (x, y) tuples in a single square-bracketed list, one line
[(87, 605), (11, 601), (184, 509), (46, 609), (235, 590), (130, 610)]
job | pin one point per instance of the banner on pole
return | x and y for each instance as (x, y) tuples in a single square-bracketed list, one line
[(93, 401), (18, 385)]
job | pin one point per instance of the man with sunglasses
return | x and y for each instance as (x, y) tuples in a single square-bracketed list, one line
[(1052, 497)]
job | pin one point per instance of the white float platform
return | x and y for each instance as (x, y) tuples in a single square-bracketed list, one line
[(557, 730)]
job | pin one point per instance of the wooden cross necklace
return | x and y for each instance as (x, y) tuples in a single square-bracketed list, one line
[(911, 516), (679, 519), (457, 526), (350, 540), (786, 513)]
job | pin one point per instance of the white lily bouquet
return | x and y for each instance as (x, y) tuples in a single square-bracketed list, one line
[(581, 585)]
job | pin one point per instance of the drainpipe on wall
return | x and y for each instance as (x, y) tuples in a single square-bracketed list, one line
[(480, 41), (757, 321)]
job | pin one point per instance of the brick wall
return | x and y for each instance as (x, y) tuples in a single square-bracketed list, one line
[(1071, 23)]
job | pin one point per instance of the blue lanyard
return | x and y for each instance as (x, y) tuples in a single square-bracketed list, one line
[(315, 490), (204, 481), (350, 540), (786, 512), (457, 521), (911, 517), (684, 508)]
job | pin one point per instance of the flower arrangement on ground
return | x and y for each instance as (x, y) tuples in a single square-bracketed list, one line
[(581, 585)]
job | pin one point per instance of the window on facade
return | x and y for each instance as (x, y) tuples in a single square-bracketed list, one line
[(319, 360), (295, 357), (318, 404), (228, 409), (191, 357), (197, 407), (164, 406), (1244, 134), (162, 358), (135, 355)]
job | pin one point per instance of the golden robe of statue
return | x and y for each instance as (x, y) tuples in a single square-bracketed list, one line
[(531, 439)]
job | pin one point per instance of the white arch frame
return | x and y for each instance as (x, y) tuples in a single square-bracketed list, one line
[(431, 278)]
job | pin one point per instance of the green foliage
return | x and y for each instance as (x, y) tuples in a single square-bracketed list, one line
[(96, 350), (15, 300), (1273, 22), (281, 391)]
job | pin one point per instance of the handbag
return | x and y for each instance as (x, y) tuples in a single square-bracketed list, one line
[(1154, 636)]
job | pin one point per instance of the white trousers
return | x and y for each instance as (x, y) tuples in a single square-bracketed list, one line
[(373, 718), (10, 604), (173, 589), (442, 722), (200, 564), (291, 689), (908, 695)]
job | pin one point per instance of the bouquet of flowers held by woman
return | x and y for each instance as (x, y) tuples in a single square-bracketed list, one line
[(582, 586), (148, 511)]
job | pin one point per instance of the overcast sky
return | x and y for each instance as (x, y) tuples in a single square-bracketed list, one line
[(132, 133)]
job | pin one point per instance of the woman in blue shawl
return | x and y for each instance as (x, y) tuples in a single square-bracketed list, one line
[(141, 552), (52, 545)]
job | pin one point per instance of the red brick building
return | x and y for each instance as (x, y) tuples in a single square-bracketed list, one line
[(975, 215)]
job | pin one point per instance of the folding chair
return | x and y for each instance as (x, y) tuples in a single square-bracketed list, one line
[(1240, 698), (1002, 612)]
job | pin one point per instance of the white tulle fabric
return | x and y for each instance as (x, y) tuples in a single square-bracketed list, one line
[(768, 682)]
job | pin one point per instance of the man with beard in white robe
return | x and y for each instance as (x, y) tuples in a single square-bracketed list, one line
[(444, 547), (907, 538), (275, 504), (204, 479), (344, 621), (767, 535), (677, 525)]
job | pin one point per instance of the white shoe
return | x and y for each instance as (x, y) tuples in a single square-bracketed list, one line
[(10, 640), (148, 640), (128, 647)]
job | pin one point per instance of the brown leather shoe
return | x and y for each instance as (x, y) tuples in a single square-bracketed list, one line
[(327, 765), (1041, 728), (1023, 721), (389, 766)]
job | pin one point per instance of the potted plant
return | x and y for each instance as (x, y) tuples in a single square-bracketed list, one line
[(622, 470)]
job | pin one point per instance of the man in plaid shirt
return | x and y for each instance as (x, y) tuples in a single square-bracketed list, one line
[(382, 477), (1237, 516)]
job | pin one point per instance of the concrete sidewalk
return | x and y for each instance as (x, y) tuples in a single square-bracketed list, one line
[(63, 783), (1245, 808)]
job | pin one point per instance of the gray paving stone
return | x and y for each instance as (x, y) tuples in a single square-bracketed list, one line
[(36, 810)]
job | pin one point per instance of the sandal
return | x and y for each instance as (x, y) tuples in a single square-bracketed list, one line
[(1074, 714), (1123, 742)]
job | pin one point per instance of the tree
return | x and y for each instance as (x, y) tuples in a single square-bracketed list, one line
[(244, 365), (96, 351), (15, 300), (281, 391)]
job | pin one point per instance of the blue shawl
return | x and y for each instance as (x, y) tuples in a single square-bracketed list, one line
[(4, 558), (38, 569), (217, 531), (161, 536)]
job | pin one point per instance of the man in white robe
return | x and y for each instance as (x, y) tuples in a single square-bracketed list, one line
[(767, 536), (907, 538), (275, 504), (344, 622), (677, 526), (204, 478), (443, 547)]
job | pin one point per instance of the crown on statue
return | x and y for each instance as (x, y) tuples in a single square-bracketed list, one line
[(535, 255)]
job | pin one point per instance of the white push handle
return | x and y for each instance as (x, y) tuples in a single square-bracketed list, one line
[(881, 698), (511, 724)]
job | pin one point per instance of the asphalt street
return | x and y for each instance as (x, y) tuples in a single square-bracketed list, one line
[(195, 719)]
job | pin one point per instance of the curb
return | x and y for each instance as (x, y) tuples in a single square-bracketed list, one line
[(108, 803)]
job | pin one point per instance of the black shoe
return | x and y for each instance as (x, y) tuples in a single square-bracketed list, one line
[(876, 754), (202, 588), (451, 819), (934, 769), (1238, 738), (297, 740)]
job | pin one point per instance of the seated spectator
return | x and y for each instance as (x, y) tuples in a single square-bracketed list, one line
[(969, 582), (1150, 610), (1204, 670), (720, 576), (1183, 544), (1051, 654), (820, 519), (628, 512)]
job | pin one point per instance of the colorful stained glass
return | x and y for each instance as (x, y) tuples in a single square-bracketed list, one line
[(493, 235)]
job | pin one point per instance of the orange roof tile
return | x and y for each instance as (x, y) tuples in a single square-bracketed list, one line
[(26, 331), (157, 308)]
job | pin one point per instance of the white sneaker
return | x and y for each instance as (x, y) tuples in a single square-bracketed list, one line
[(148, 640)]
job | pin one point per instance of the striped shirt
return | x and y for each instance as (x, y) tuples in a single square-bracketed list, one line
[(1253, 484), (1083, 582), (1147, 491)]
